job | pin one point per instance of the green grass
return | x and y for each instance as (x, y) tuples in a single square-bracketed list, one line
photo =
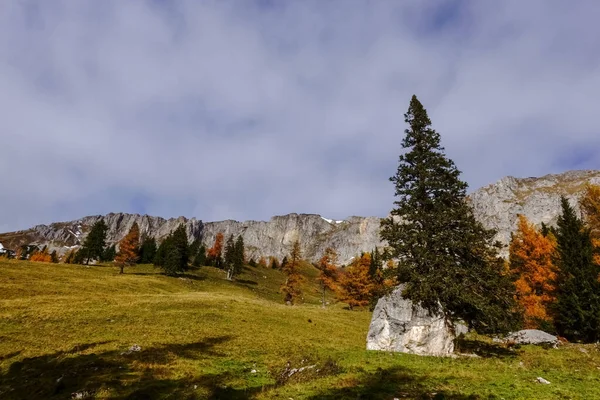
[(66, 329)]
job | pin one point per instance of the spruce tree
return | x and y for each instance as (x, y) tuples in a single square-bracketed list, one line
[(447, 259), (147, 251), (109, 253), (176, 259), (200, 258), (54, 256), (238, 261), (577, 308), (93, 246), (229, 257)]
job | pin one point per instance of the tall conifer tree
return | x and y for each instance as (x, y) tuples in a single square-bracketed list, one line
[(93, 246), (446, 257), (578, 289)]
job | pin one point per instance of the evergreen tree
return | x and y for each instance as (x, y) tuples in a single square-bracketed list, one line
[(200, 258), (162, 250), (229, 257), (93, 246), (109, 253), (129, 248), (238, 261), (176, 259), (283, 262), (147, 251), (252, 263), (54, 257), (447, 259), (194, 248), (578, 289)]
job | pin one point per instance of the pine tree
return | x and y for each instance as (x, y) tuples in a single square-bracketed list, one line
[(328, 273), (239, 259), (577, 287), (229, 257), (109, 253), (194, 248), (129, 248), (172, 254), (147, 251), (200, 258), (532, 268), (293, 280), (447, 259), (252, 263), (54, 257), (356, 288), (93, 246), (590, 208)]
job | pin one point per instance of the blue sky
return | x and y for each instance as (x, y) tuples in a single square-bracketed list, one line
[(247, 109)]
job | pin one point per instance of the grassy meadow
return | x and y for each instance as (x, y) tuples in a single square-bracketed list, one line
[(66, 332)]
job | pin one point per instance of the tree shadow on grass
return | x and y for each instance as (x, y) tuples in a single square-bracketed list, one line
[(117, 374), (386, 384), (482, 349), (246, 282)]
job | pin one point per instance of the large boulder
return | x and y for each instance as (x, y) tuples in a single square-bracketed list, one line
[(399, 325), (533, 336)]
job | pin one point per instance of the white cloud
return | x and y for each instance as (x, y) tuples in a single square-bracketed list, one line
[(235, 110)]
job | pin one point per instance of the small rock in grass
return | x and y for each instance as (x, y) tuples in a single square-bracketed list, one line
[(541, 380), (253, 371)]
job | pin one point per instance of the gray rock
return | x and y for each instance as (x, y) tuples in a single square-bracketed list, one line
[(541, 380), (496, 206), (532, 336), (399, 325)]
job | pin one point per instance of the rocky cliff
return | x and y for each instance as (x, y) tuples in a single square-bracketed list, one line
[(262, 238), (496, 206)]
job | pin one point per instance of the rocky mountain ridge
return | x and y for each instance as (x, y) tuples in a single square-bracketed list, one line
[(496, 206)]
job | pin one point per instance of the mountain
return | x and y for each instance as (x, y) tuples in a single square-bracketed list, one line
[(496, 206)]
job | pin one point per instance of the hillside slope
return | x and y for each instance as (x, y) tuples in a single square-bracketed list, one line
[(68, 331)]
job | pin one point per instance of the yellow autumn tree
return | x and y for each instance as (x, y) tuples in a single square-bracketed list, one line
[(291, 287), (530, 258), (328, 274), (356, 286), (590, 208), (129, 248)]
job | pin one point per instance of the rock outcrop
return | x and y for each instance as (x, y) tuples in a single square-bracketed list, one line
[(496, 206), (399, 325), (261, 238), (532, 336)]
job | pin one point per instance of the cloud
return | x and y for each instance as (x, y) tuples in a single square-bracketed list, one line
[(244, 110)]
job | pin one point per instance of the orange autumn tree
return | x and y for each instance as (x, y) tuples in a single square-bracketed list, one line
[(41, 256), (590, 208), (328, 274), (291, 286), (215, 252), (129, 248), (356, 287), (530, 258)]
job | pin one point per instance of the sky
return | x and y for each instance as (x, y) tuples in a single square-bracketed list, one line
[(252, 108)]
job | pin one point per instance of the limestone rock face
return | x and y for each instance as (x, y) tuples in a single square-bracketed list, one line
[(261, 238), (398, 325), (497, 205)]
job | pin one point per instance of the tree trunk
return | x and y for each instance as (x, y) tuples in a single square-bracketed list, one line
[(122, 266)]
